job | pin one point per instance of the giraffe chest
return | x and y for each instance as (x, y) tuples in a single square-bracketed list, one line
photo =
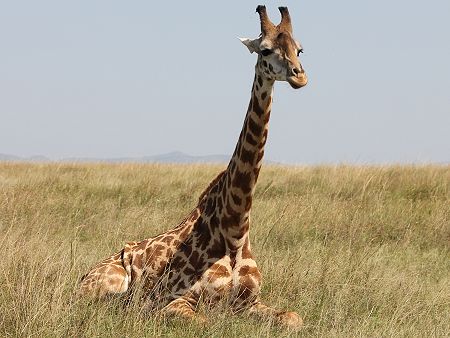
[(216, 281), (206, 271), (226, 280)]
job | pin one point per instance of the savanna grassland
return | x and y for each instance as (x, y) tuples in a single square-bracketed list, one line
[(357, 251)]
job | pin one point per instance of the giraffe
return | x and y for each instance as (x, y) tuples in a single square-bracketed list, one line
[(208, 255)]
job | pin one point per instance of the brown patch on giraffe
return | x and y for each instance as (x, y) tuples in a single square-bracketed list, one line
[(260, 81), (143, 245), (248, 270), (169, 252), (167, 239), (154, 263), (229, 221), (230, 210), (155, 250), (228, 180), (217, 250), (173, 279), (263, 95), (236, 199), (247, 156), (257, 107), (214, 220), (254, 127), (250, 139), (214, 189), (188, 271), (186, 248), (177, 264), (137, 261), (161, 267), (210, 205), (224, 194), (203, 234), (242, 180), (196, 260), (181, 285), (219, 204), (217, 271), (220, 184)]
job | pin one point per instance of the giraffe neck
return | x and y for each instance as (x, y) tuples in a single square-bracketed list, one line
[(242, 172)]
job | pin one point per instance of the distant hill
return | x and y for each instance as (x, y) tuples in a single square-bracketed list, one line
[(172, 157), (179, 157), (13, 158), (5, 157)]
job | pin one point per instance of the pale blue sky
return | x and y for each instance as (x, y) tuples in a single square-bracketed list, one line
[(134, 78)]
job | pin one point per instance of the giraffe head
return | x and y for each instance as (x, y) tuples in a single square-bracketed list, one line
[(277, 50)]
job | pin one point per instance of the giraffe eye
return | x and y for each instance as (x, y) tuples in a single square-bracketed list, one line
[(266, 52), (299, 51)]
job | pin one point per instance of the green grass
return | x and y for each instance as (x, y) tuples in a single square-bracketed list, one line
[(357, 251)]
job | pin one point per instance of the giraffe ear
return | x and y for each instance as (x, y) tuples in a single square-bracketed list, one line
[(252, 45)]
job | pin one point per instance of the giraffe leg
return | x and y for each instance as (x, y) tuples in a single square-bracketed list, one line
[(286, 318), (182, 308)]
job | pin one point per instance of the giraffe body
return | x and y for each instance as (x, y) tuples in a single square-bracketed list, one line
[(189, 261), (208, 255)]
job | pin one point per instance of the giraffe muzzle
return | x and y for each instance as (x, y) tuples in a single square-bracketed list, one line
[(298, 81)]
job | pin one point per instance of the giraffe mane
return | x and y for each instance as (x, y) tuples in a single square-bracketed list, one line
[(211, 184)]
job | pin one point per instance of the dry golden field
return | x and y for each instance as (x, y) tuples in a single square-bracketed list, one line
[(357, 251)]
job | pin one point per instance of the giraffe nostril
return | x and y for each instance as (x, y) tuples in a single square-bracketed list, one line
[(296, 71)]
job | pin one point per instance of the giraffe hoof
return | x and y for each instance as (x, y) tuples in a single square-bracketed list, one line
[(291, 320)]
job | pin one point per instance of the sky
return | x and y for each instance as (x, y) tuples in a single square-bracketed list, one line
[(115, 78)]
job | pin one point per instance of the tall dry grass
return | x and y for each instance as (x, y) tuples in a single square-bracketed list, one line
[(357, 251)]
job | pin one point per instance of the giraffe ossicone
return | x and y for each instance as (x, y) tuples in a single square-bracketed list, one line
[(208, 255)]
